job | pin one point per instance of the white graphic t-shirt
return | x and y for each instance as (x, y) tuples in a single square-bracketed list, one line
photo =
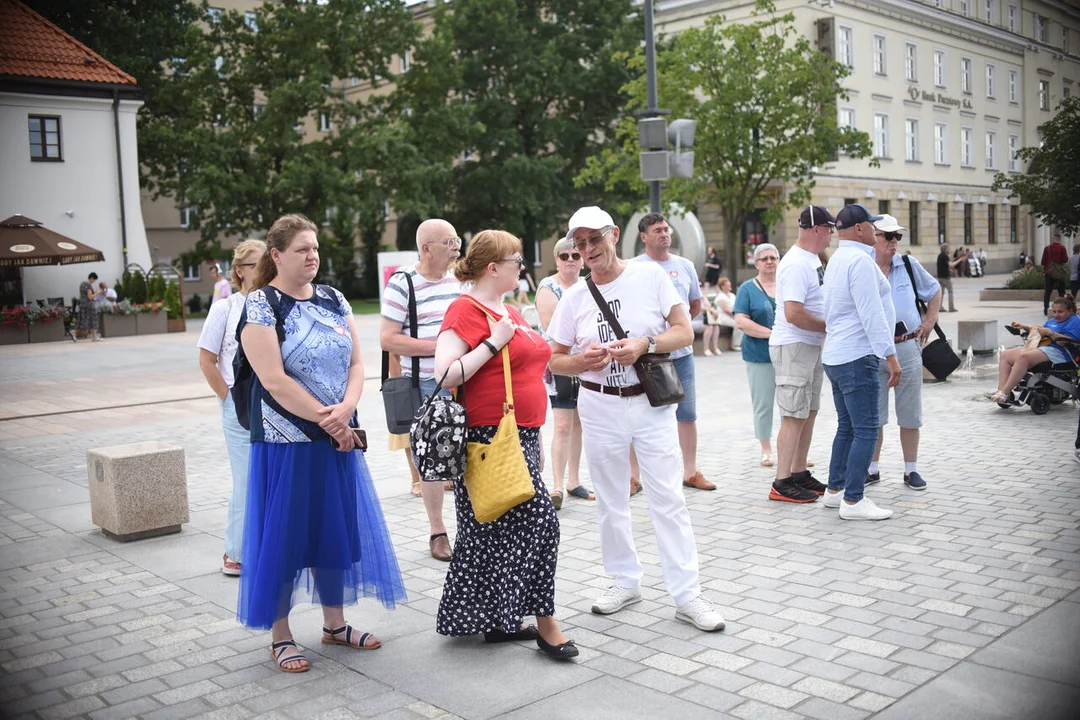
[(640, 299), (799, 277)]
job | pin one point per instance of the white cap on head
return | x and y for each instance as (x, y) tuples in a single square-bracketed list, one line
[(590, 217), (888, 223)]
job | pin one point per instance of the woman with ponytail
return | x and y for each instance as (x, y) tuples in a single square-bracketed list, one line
[(314, 528)]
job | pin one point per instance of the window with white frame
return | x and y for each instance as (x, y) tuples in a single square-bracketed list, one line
[(251, 20), (1014, 16), (939, 68), (325, 123), (965, 147), (1040, 28), (881, 135), (988, 10), (879, 55), (255, 110), (965, 75), (1066, 93), (991, 73), (187, 216), (331, 213), (192, 273), (911, 139), (965, 7), (1014, 146), (845, 46), (1014, 81), (911, 63), (406, 61), (941, 148), (991, 150), (215, 14), (1044, 94), (847, 117)]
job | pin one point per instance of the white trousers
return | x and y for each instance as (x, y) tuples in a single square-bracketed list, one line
[(610, 425)]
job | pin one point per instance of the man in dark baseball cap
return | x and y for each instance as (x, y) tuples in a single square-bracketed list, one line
[(852, 215), (815, 215)]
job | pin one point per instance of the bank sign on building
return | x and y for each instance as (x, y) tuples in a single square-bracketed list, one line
[(948, 91)]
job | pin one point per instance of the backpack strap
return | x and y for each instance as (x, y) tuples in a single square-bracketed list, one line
[(919, 304), (413, 331)]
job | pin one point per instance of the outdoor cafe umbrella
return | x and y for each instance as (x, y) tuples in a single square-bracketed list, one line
[(24, 241)]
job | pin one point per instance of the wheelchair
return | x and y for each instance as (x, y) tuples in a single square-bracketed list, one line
[(1047, 384)]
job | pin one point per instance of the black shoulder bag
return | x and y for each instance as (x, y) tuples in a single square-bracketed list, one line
[(401, 395), (937, 356), (655, 371)]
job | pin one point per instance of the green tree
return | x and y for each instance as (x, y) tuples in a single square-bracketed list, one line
[(504, 103), (764, 101), (1051, 185), (269, 133)]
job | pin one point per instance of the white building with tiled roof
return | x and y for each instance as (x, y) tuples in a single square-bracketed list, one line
[(68, 155)]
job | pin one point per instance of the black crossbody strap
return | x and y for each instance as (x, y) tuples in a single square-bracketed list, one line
[(413, 330), (604, 309), (919, 304)]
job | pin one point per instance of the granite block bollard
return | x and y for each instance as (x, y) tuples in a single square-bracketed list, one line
[(137, 491)]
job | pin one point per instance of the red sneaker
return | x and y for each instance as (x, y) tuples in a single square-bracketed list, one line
[(230, 566)]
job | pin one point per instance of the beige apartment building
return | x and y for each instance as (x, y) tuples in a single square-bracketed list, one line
[(947, 90)]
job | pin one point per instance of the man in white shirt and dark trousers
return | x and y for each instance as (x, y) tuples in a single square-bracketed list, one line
[(859, 317), (910, 333), (798, 333), (655, 233)]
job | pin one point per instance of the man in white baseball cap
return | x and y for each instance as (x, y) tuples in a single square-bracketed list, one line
[(911, 284), (616, 414)]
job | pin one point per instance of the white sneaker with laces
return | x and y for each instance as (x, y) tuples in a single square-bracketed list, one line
[(614, 599), (700, 613), (832, 500), (865, 509)]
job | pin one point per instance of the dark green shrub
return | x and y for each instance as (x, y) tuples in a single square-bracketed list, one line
[(1026, 280), (172, 300)]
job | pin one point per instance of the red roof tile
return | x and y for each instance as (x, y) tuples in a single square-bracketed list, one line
[(33, 47)]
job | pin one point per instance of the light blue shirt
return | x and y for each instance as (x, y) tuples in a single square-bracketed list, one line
[(907, 311), (859, 315), (683, 273)]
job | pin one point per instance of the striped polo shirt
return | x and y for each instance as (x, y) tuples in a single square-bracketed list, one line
[(432, 300)]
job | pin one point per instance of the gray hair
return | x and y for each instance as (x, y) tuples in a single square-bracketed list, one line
[(762, 248), (563, 244)]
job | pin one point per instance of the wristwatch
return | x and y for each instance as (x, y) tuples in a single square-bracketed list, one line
[(652, 344)]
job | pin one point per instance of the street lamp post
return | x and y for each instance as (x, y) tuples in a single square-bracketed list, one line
[(650, 84)]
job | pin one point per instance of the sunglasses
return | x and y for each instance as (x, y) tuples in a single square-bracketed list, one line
[(593, 240), (519, 261), (569, 256), (891, 236)]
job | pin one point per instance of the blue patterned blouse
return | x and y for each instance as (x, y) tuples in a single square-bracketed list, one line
[(316, 353)]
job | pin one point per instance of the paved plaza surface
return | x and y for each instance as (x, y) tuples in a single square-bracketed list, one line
[(965, 604)]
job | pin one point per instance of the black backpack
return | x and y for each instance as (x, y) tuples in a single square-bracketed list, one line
[(244, 378), (437, 438)]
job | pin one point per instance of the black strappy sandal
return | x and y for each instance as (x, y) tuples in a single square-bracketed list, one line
[(277, 650), (330, 637)]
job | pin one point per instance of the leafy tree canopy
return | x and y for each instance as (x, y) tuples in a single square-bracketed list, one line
[(505, 102), (764, 101), (1051, 185)]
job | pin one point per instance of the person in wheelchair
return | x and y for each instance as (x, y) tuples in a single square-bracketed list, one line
[(1056, 342)]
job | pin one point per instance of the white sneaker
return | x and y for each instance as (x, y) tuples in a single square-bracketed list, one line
[(865, 509), (700, 613), (832, 500), (614, 599)]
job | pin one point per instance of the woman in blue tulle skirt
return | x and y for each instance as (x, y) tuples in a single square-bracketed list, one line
[(313, 530)]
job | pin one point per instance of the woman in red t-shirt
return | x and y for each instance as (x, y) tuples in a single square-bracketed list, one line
[(503, 570)]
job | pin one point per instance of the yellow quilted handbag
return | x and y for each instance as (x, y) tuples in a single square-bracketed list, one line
[(496, 474)]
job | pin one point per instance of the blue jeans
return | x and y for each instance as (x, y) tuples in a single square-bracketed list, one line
[(238, 443), (686, 410), (855, 394)]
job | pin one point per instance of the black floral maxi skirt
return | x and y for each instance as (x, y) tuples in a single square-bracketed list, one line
[(504, 570)]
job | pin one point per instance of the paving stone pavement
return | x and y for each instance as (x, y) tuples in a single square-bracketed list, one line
[(972, 588)]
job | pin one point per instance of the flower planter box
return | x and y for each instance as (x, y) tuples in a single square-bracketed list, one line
[(47, 332), (112, 325), (1005, 295), (177, 325), (150, 323), (13, 335)]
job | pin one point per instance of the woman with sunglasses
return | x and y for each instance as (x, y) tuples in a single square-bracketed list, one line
[(217, 348), (755, 310), (562, 389)]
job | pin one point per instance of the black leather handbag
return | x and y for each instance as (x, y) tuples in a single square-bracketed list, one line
[(937, 357), (401, 395), (656, 371)]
